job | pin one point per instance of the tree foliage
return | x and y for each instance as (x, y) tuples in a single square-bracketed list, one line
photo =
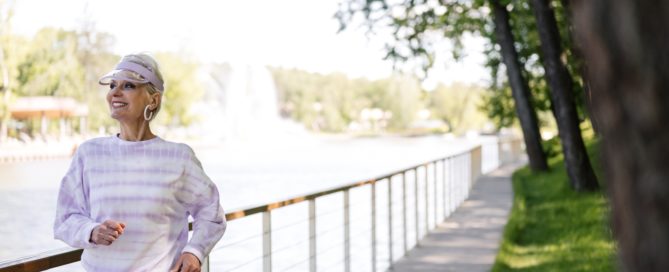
[(7, 63), (182, 89), (67, 63), (458, 106), (334, 102), (415, 26), (49, 66)]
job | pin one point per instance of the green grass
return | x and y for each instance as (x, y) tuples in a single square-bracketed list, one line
[(553, 228)]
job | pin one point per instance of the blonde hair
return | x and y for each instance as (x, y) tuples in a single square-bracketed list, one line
[(150, 63)]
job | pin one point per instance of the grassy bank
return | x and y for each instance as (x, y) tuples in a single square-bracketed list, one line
[(552, 228)]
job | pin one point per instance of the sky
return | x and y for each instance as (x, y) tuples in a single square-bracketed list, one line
[(288, 33)]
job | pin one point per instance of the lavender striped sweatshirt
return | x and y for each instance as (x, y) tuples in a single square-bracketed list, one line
[(152, 186)]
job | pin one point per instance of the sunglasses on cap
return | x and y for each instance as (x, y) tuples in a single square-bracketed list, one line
[(140, 74)]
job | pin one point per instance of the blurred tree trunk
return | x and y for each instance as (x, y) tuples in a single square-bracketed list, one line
[(579, 169), (580, 64), (626, 45), (519, 88)]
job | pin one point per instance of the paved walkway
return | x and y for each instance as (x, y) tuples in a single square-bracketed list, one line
[(469, 239)]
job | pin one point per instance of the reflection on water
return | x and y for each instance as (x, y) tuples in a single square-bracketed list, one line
[(246, 174)]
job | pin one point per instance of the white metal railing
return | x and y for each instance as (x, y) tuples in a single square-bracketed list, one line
[(438, 188), (417, 198)]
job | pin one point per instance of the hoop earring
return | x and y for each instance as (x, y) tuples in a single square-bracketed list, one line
[(150, 115)]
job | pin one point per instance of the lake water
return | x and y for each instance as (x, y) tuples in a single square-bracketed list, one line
[(247, 173)]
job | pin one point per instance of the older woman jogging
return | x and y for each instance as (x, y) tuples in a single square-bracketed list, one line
[(126, 198)]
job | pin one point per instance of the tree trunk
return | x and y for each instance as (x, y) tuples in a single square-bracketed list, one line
[(519, 88), (582, 67), (579, 169), (626, 47)]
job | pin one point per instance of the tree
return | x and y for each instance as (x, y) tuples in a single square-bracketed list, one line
[(332, 102), (455, 105), (527, 44), (182, 88), (320, 102), (625, 44), (519, 88), (402, 98), (96, 57), (6, 13), (414, 26), (576, 61), (50, 66), (580, 172)]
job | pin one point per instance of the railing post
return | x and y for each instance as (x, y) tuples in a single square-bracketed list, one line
[(312, 235), (434, 187), (443, 187), (404, 214), (459, 182), (205, 265), (475, 164), (390, 222), (427, 205), (415, 182), (463, 178), (501, 155), (447, 182), (347, 232), (473, 173), (460, 179), (466, 180), (517, 150), (267, 241), (451, 191), (470, 174), (454, 183), (374, 226), (512, 150)]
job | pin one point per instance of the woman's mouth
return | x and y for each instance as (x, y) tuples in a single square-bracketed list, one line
[(117, 105)]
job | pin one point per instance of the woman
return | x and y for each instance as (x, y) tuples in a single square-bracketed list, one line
[(126, 198)]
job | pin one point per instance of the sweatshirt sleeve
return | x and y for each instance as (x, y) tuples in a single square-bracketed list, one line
[(73, 224), (200, 196)]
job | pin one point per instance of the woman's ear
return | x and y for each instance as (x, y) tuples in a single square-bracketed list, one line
[(155, 100)]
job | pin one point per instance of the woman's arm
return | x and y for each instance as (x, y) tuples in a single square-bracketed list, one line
[(201, 198), (73, 224)]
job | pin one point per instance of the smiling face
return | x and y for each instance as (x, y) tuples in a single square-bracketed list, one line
[(127, 100)]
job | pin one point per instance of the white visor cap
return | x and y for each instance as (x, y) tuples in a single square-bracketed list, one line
[(133, 72)]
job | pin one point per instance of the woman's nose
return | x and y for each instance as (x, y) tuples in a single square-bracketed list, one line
[(115, 91)]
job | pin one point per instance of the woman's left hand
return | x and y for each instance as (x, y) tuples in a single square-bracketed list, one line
[(187, 263)]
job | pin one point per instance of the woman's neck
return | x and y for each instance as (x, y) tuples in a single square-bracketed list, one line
[(136, 132)]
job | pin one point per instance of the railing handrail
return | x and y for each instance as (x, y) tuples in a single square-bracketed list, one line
[(43, 261), (63, 256), (241, 213)]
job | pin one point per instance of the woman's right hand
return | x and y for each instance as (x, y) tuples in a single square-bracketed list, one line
[(107, 232)]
